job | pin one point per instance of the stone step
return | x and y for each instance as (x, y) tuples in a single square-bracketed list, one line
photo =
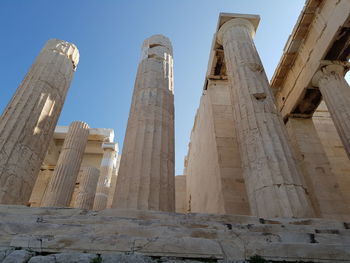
[(159, 234)]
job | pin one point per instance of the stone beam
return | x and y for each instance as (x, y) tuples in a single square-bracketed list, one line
[(95, 134), (321, 32)]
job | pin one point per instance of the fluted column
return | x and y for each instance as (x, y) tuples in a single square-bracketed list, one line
[(87, 188), (29, 120), (336, 94), (61, 186), (272, 177), (104, 181), (113, 182), (146, 175)]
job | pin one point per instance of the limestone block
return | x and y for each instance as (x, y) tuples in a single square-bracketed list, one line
[(28, 122), (74, 257), (4, 252), (214, 158), (133, 258), (62, 183), (146, 175), (43, 259), (18, 256), (64, 258)]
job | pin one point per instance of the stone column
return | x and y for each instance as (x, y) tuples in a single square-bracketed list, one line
[(104, 181), (336, 94), (29, 120), (113, 182), (274, 183), (87, 188), (146, 176), (61, 186)]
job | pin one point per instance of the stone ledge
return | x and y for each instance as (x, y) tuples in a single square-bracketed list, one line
[(161, 234)]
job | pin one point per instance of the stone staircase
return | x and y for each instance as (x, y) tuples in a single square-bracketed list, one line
[(199, 237)]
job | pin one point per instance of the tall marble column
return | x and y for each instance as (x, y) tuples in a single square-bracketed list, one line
[(146, 175), (87, 188), (274, 183), (29, 120), (61, 186), (104, 181), (336, 94)]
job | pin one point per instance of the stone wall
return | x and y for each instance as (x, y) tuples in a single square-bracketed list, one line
[(334, 149), (213, 157)]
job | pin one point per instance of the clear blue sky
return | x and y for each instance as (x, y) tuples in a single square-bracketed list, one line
[(109, 35)]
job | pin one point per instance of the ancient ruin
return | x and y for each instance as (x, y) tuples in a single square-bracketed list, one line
[(266, 177)]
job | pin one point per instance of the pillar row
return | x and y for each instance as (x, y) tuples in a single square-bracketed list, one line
[(336, 94), (274, 183), (29, 120), (61, 186)]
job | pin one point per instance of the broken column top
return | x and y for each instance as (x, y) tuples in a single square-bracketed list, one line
[(157, 41), (63, 48)]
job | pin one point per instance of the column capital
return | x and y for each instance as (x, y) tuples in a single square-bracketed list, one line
[(109, 146), (248, 22), (330, 67)]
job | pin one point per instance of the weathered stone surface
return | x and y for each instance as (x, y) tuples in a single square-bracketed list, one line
[(146, 174), (29, 120), (87, 188), (43, 259), (179, 236), (273, 179), (4, 252), (133, 258), (334, 149), (320, 25), (321, 182), (213, 156), (61, 186), (18, 256), (106, 172), (72, 257)]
